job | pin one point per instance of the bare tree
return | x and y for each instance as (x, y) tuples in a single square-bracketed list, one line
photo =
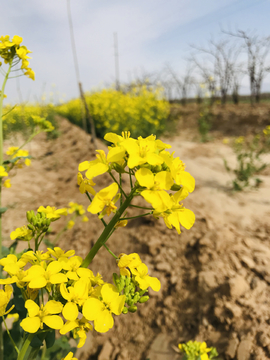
[(237, 76), (183, 83), (167, 83), (222, 58), (140, 79), (207, 75), (257, 49)]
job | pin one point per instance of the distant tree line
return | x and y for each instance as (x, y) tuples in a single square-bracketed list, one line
[(217, 69)]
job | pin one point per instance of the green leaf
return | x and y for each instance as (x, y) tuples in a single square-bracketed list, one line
[(3, 209), (36, 342), (5, 251), (12, 161), (50, 339)]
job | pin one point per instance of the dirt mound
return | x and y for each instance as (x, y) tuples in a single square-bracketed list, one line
[(229, 120), (215, 277)]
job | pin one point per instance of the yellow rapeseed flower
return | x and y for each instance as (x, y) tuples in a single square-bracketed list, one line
[(43, 314), (3, 171), (4, 299), (130, 261), (85, 185), (7, 183), (143, 279), (105, 198), (100, 310), (52, 213)]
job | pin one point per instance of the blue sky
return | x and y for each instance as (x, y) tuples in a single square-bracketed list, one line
[(151, 33)]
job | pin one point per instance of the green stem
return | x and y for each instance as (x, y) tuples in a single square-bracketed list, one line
[(141, 207), (130, 179), (27, 141), (41, 240), (36, 241), (25, 346), (1, 344), (106, 247), (5, 114), (120, 183), (1, 156), (15, 347), (135, 217), (59, 234), (120, 188), (89, 197), (106, 232), (65, 228), (33, 354), (1, 163)]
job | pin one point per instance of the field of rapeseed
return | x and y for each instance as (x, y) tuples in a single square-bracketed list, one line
[(142, 111), (21, 118)]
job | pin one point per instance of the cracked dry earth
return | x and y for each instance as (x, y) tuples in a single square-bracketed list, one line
[(215, 277)]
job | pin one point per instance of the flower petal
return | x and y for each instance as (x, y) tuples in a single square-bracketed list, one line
[(30, 324), (154, 283), (58, 278), (104, 322), (69, 326), (53, 307), (70, 311), (92, 308), (53, 321), (145, 177), (186, 180), (117, 305), (32, 307), (186, 218)]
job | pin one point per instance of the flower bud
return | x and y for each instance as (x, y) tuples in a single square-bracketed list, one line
[(136, 297), (125, 310), (130, 302), (118, 168), (121, 283), (127, 280), (115, 279), (132, 309), (142, 292), (175, 187), (126, 290), (30, 215), (117, 282), (143, 299)]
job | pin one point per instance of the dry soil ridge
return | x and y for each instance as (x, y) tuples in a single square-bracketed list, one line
[(215, 277)]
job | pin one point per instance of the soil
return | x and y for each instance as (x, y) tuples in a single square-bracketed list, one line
[(215, 277)]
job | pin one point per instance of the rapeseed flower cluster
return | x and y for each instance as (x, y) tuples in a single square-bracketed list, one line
[(27, 118), (249, 151), (17, 157), (76, 210), (140, 110), (196, 350), (155, 174), (71, 296), (13, 51), (58, 289), (15, 152)]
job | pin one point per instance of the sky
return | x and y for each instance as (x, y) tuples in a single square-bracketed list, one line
[(151, 34)]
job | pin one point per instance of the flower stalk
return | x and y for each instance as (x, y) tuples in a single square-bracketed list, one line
[(106, 232), (1, 146)]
